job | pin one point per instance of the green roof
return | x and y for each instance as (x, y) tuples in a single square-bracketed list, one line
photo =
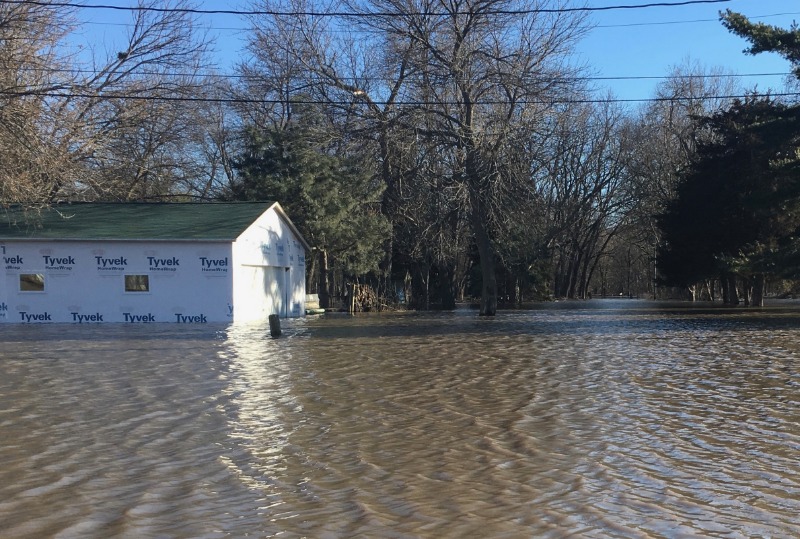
[(214, 221)]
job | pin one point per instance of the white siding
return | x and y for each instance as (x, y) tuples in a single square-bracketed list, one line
[(3, 294), (269, 244), (261, 273), (85, 282)]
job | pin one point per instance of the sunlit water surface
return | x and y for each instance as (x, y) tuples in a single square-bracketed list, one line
[(598, 419)]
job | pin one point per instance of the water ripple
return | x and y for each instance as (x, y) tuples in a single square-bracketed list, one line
[(612, 419)]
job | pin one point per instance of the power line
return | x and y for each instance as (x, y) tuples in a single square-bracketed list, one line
[(621, 25), (194, 11), (681, 77), (372, 79), (240, 12), (666, 23), (415, 103)]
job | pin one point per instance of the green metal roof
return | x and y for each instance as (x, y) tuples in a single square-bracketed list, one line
[(214, 221)]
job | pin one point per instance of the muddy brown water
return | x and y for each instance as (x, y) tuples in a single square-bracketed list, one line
[(594, 419)]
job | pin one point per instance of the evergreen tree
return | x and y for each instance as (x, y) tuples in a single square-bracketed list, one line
[(766, 38), (331, 199), (737, 209)]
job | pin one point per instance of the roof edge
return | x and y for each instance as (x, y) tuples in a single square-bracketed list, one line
[(282, 214)]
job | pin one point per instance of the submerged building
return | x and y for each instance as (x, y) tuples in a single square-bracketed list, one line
[(144, 263)]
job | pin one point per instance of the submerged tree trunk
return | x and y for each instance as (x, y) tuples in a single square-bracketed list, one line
[(312, 279), (723, 285), (324, 280), (759, 286), (708, 290), (486, 253), (420, 297), (747, 290), (733, 294), (447, 286), (574, 268)]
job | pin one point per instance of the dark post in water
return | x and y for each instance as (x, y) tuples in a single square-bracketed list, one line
[(274, 325)]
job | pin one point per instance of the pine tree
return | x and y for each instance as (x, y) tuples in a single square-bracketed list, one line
[(737, 209), (331, 199), (766, 38)]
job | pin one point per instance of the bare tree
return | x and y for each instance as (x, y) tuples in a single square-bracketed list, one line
[(119, 125), (216, 144), (583, 191), (133, 118), (487, 72), (667, 129), (666, 134), (468, 76), (31, 68)]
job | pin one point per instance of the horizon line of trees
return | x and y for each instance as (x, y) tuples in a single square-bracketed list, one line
[(437, 152)]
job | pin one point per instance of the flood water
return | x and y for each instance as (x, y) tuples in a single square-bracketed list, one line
[(597, 419)]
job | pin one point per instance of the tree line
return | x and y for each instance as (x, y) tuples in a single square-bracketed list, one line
[(435, 151)]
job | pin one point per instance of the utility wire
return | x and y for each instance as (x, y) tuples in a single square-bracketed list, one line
[(43, 3), (621, 25), (47, 70), (235, 100), (241, 12), (692, 21)]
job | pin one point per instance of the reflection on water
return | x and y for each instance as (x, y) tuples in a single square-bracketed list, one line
[(598, 419)]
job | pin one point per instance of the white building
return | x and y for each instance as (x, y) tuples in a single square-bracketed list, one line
[(139, 263)]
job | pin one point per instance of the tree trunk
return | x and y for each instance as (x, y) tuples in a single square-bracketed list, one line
[(574, 267), (556, 273), (324, 280), (759, 285), (408, 290), (486, 254), (420, 286), (388, 209), (747, 291), (708, 290), (312, 281), (723, 284), (733, 294), (447, 286), (386, 286)]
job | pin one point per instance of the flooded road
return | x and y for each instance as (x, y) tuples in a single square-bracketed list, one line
[(599, 419)]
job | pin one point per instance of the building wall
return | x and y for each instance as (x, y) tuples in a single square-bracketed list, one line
[(261, 273), (84, 282), (269, 271)]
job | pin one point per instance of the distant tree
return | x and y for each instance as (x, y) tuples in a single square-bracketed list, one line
[(215, 140), (582, 191), (332, 200)]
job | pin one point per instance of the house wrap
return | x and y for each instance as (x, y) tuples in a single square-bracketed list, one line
[(145, 263)]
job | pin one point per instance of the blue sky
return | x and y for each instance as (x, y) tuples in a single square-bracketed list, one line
[(649, 42), (624, 43)]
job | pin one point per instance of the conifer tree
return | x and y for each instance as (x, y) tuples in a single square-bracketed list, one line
[(331, 199), (737, 210), (765, 37)]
